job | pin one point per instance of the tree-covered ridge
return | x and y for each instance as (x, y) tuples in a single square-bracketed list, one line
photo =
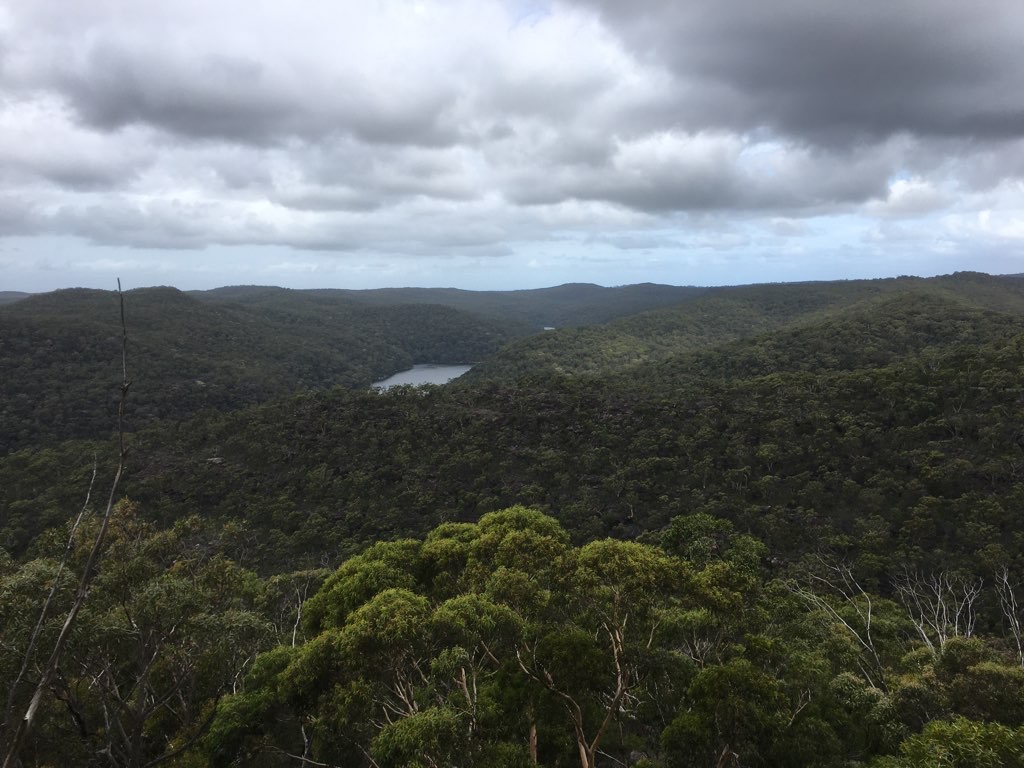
[(60, 351), (728, 314), (870, 334), (572, 304)]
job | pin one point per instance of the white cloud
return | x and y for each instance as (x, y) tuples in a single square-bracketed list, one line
[(909, 197)]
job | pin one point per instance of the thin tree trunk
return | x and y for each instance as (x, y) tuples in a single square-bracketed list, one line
[(533, 734)]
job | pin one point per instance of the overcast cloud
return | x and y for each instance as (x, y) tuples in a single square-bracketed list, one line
[(496, 144)]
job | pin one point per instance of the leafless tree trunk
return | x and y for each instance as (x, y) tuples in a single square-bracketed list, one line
[(941, 606), (49, 674), (1011, 610)]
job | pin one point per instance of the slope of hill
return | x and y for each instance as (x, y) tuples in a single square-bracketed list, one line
[(869, 334), (59, 353), (9, 297), (721, 315)]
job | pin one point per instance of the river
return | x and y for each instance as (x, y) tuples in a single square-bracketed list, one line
[(423, 374)]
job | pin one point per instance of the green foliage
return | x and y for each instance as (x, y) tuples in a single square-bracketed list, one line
[(433, 737), (960, 743), (525, 629), (915, 462), (572, 304), (167, 630)]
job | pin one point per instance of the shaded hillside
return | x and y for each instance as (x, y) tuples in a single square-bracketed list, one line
[(573, 304), (59, 354), (9, 297), (872, 333), (721, 315), (904, 448)]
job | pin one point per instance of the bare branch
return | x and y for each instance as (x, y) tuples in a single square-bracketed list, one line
[(1011, 610), (941, 606), (841, 583)]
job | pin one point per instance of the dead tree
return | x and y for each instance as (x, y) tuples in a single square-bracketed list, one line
[(941, 606), (1012, 610)]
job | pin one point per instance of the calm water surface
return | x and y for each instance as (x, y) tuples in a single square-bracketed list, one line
[(423, 374)]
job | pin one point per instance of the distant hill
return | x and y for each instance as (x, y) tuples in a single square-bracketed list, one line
[(727, 314), (9, 297), (59, 353), (572, 304)]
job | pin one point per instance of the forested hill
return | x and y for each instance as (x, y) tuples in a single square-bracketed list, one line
[(873, 333), (730, 313), (802, 437), (59, 353), (572, 304)]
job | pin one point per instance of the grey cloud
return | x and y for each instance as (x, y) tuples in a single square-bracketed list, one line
[(697, 173), (18, 215), (201, 95), (77, 173), (327, 199), (119, 223), (113, 86), (836, 72), (986, 165), (782, 227), (910, 198), (359, 176)]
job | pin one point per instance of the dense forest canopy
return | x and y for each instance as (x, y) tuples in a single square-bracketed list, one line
[(769, 526), (58, 352)]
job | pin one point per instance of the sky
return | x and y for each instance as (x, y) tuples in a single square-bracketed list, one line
[(499, 144)]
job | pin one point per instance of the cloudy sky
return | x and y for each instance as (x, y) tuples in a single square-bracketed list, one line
[(507, 143)]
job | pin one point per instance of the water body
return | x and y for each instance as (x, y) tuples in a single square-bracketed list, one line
[(423, 374)]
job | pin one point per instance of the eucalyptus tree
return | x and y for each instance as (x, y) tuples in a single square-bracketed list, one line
[(487, 644)]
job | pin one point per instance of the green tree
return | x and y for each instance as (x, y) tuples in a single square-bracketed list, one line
[(487, 644)]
